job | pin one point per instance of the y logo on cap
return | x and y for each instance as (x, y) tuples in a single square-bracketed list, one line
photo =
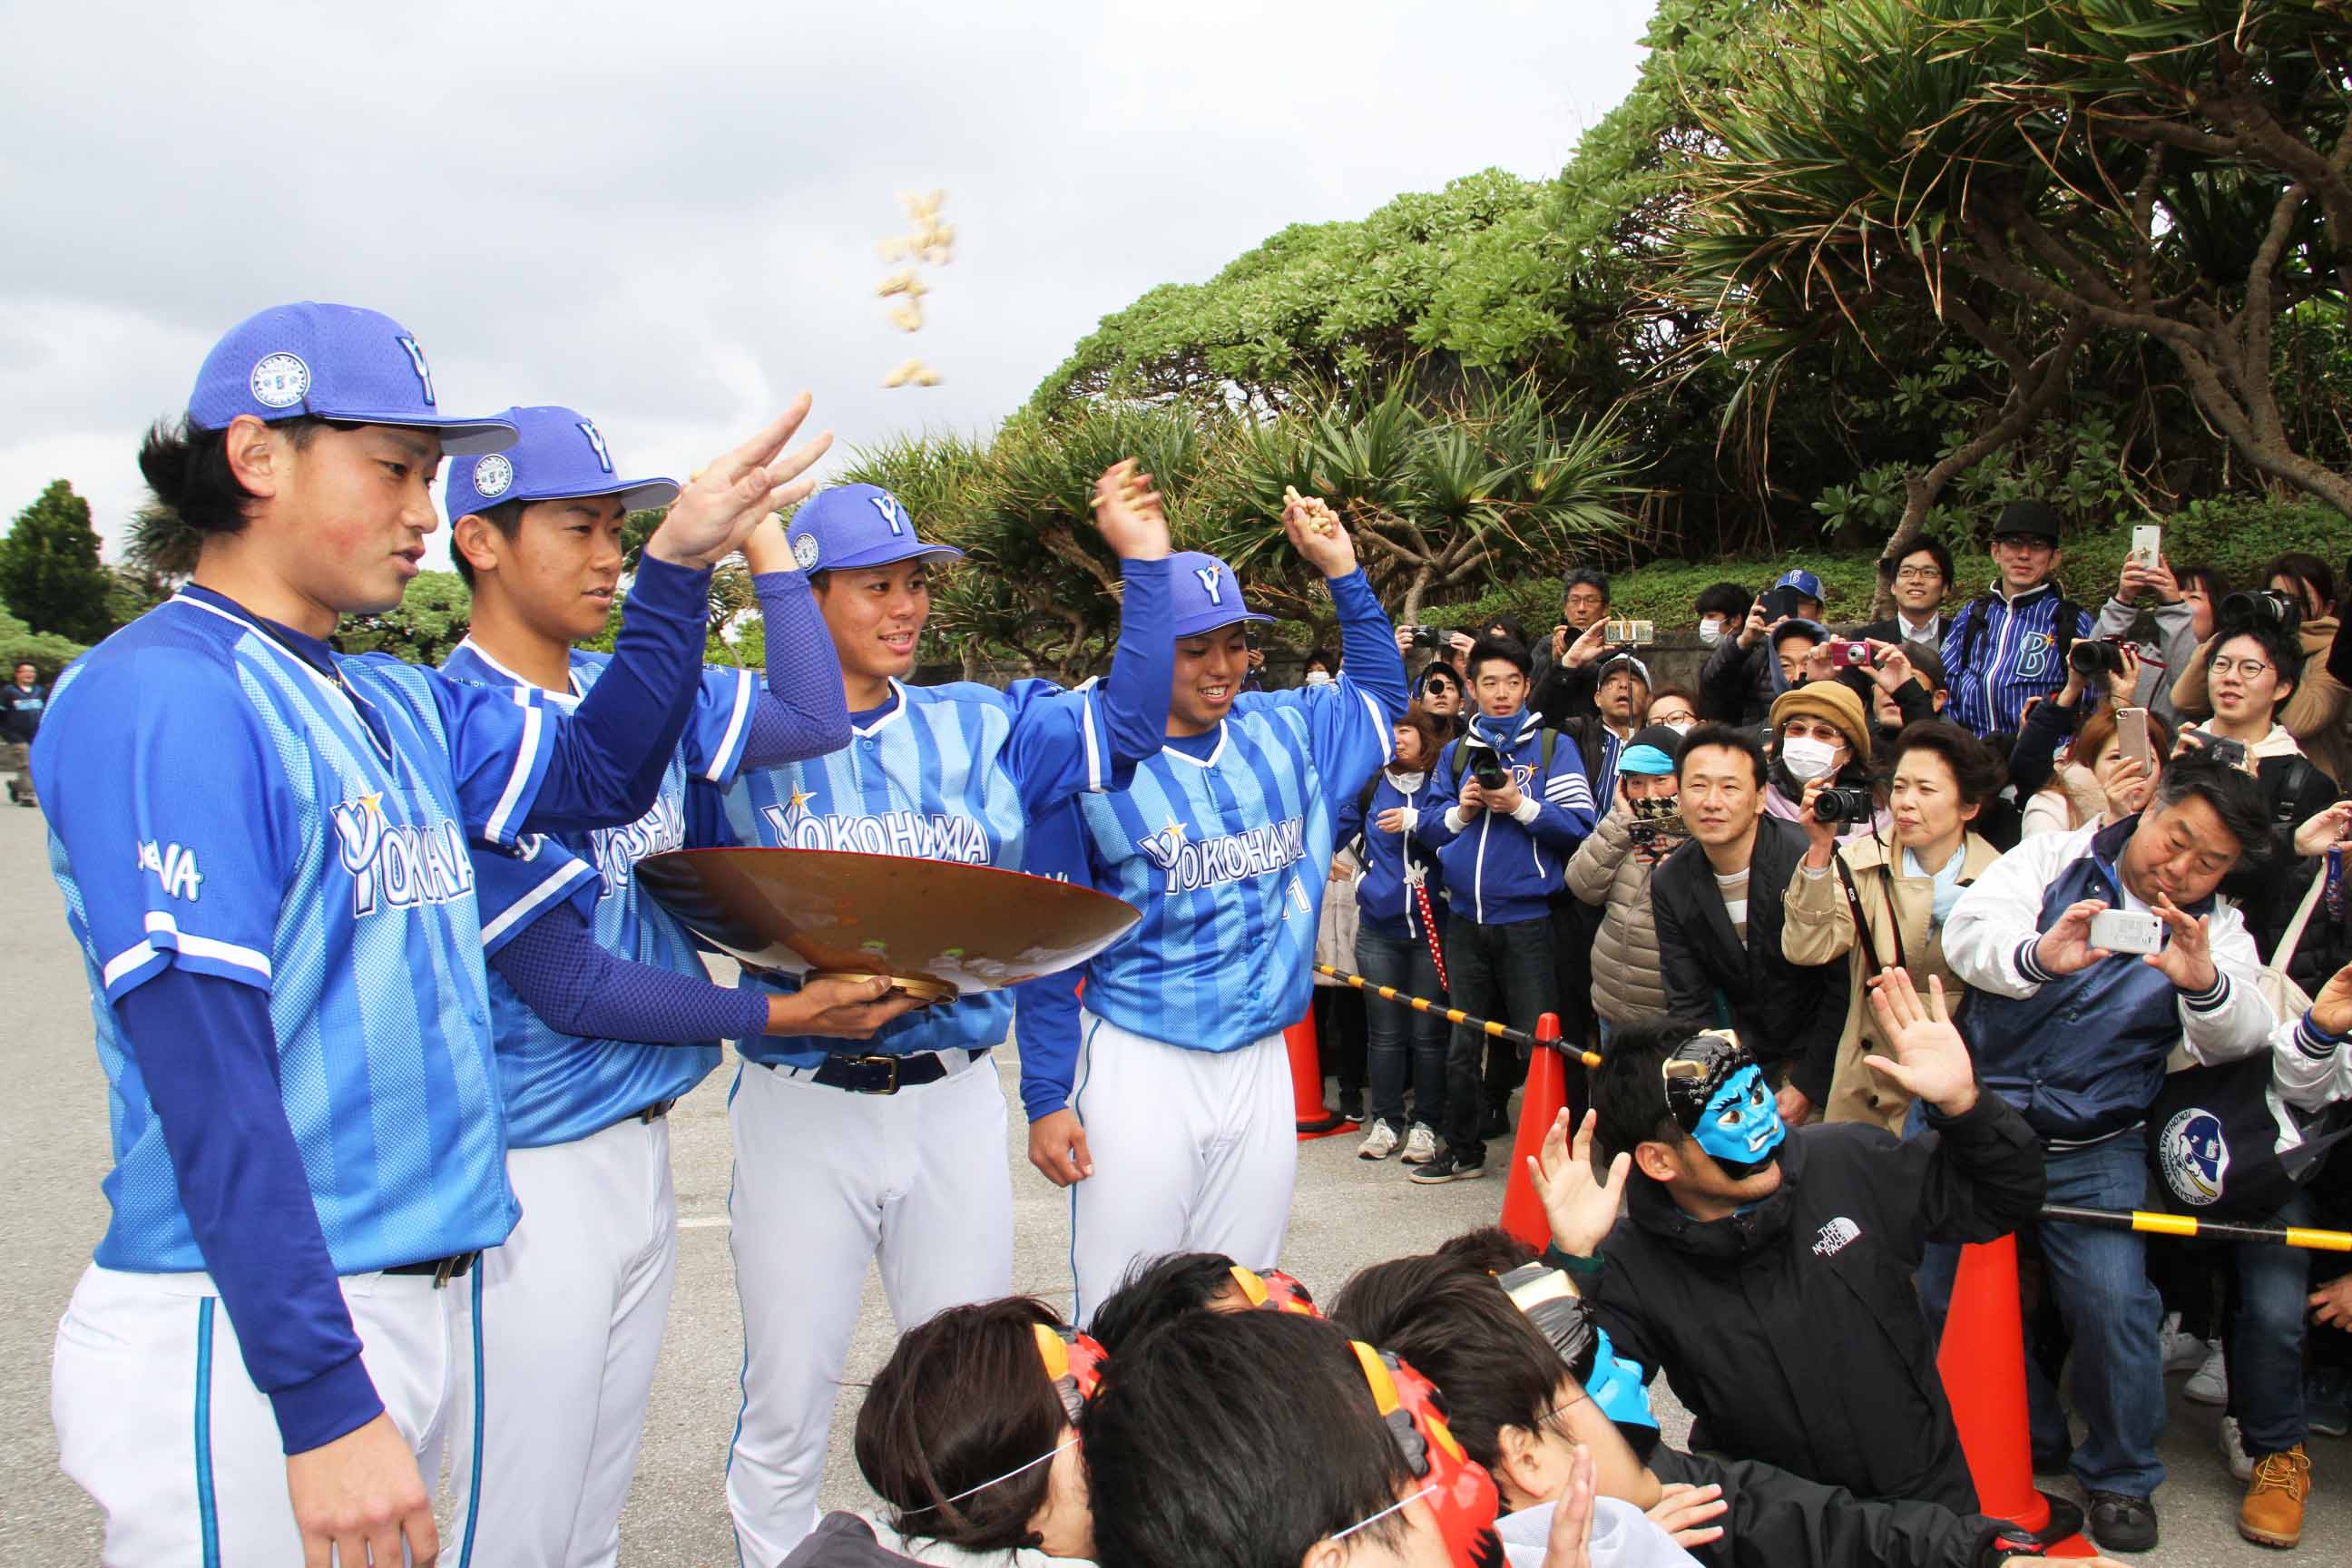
[(417, 361), (1212, 579), (888, 505), (596, 440)]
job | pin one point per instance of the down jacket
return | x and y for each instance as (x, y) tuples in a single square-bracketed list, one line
[(1607, 871)]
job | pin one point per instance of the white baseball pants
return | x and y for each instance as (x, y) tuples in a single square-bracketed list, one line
[(570, 1313), (1194, 1150), (825, 1183)]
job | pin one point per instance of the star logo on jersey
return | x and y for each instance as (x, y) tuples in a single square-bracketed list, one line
[(1166, 847), (799, 802)]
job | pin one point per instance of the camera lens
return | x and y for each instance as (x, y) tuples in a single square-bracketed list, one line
[(2095, 658)]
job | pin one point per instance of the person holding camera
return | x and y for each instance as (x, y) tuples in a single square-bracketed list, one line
[(1519, 812), (2163, 657), (1721, 608), (1742, 676), (1575, 644), (2093, 955), (1820, 736), (2315, 712), (1400, 908), (2100, 784), (1886, 898), (1611, 873), (2010, 642), (1717, 904)]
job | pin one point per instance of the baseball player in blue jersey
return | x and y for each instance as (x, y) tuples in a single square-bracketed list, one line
[(2009, 643), (898, 1151), (262, 849), (1225, 842), (602, 1011)]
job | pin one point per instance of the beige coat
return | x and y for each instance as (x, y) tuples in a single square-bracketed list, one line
[(2314, 712), (1606, 871), (1819, 926)]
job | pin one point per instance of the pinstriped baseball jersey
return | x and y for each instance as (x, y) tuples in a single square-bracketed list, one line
[(946, 773), (559, 1086), (1226, 855), (304, 835)]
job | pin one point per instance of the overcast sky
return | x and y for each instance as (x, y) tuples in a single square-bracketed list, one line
[(665, 215)]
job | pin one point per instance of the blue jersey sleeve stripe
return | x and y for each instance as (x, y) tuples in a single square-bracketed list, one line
[(1098, 753), (530, 762), (527, 908), (739, 730), (126, 969), (1382, 726), (203, 954)]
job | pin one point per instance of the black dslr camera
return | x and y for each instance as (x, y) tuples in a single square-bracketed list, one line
[(2092, 657), (1434, 637), (1485, 764), (2265, 606), (1844, 805)]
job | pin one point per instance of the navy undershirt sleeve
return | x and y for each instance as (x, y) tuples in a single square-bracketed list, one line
[(1367, 649), (805, 711), (605, 758), (208, 1056), (1144, 669), (561, 973)]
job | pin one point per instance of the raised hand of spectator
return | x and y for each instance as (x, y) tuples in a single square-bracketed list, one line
[(2138, 579), (1683, 1511), (1474, 799), (2123, 685), (1795, 1107), (1752, 629), (1578, 1206), (1890, 666), (1391, 820), (2324, 829), (1404, 640), (1584, 649), (2128, 786), (1504, 800), (1569, 1545), (1819, 665), (2332, 1008), (2065, 948), (1931, 1061), (2187, 959)]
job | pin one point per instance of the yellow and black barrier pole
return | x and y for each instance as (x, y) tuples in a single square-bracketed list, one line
[(2187, 1228), (1451, 1014)]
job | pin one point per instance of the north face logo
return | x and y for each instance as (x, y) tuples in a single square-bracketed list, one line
[(1835, 1237)]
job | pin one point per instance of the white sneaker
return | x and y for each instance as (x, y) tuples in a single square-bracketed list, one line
[(2183, 1352), (1420, 1144), (2209, 1383), (1379, 1143), (2234, 1448)]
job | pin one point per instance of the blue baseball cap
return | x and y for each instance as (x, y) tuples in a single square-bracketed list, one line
[(852, 526), (330, 362), (1802, 581), (557, 455), (1206, 595)]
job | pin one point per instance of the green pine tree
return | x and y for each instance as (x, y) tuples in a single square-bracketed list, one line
[(49, 570)]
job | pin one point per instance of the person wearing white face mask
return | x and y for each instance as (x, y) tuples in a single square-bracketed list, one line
[(1819, 732), (1720, 609), (1898, 889), (1321, 669)]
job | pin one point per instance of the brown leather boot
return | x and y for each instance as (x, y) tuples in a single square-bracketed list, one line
[(2272, 1514)]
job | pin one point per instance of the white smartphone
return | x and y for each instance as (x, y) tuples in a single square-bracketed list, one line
[(2131, 734), (2126, 930), (2147, 544)]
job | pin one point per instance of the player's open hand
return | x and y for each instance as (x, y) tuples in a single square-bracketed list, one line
[(1131, 514), (731, 494), (1057, 1147), (361, 1496), (1931, 1061), (1316, 533), (839, 1007), (1578, 1207), (1569, 1544)]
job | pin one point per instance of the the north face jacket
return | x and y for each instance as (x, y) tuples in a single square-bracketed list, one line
[(1792, 1329)]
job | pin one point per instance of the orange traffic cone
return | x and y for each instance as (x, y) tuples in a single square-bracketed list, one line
[(1547, 1093), (1983, 1365), (1315, 1118)]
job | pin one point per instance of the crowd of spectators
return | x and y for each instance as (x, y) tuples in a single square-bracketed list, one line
[(2102, 847)]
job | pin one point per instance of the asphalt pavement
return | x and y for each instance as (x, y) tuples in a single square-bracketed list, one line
[(1348, 1213)]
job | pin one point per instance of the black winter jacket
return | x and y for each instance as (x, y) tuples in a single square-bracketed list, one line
[(1791, 1329), (1773, 1517), (1784, 1012)]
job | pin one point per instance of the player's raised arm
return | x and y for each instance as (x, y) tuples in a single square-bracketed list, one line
[(1354, 718), (804, 710), (595, 771)]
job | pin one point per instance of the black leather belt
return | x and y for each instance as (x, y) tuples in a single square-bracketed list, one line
[(443, 1269), (884, 1075), (651, 1114)]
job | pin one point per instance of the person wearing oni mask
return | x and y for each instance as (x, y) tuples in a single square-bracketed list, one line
[(1767, 1271)]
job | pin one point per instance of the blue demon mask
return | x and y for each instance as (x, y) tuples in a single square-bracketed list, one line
[(1716, 1094)]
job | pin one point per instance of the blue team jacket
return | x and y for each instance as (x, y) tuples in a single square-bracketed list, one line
[(1999, 652), (1384, 902), (1499, 871)]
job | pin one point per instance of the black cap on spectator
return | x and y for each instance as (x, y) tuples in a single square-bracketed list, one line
[(2028, 520)]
